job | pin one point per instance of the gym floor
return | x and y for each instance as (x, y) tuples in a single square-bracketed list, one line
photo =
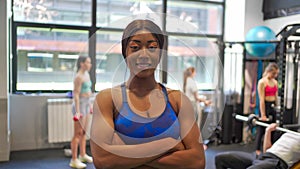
[(54, 158)]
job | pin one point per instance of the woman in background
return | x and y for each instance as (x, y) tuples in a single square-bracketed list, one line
[(268, 93), (81, 109), (191, 90)]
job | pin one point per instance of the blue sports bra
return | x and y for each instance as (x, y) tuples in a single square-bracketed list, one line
[(86, 87), (135, 129)]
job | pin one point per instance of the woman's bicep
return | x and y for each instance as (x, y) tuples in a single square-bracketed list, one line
[(186, 115), (191, 136), (261, 90), (190, 132), (102, 128), (77, 85)]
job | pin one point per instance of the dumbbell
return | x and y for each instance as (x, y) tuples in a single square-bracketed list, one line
[(253, 120), (76, 118)]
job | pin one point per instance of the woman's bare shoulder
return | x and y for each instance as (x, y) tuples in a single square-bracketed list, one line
[(109, 96), (175, 98), (78, 78), (108, 91), (261, 82), (176, 94)]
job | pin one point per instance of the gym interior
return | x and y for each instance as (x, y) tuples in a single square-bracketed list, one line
[(229, 42)]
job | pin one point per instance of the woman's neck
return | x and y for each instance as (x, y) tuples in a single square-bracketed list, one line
[(141, 86), (81, 71)]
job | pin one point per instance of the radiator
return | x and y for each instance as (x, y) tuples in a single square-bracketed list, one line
[(60, 122)]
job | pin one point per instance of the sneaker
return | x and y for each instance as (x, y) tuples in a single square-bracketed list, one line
[(77, 164), (68, 152), (86, 158)]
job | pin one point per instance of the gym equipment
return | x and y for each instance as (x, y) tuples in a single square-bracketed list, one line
[(253, 120), (76, 118), (231, 129), (227, 124), (260, 34), (285, 47)]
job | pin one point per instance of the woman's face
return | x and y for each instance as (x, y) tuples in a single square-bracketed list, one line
[(87, 65), (273, 74), (194, 74), (142, 54)]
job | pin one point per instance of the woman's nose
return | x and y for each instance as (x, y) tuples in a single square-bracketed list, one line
[(144, 53)]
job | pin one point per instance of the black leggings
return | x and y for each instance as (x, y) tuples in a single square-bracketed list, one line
[(261, 130)]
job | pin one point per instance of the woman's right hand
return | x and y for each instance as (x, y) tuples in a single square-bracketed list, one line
[(77, 116), (263, 118), (271, 127)]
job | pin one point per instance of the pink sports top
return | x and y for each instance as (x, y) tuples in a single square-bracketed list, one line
[(270, 91)]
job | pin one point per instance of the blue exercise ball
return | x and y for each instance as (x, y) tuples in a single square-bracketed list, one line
[(260, 33)]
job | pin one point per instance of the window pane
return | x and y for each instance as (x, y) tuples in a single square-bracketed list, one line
[(184, 52), (110, 63), (110, 12), (39, 62), (46, 58), (194, 17), (70, 12)]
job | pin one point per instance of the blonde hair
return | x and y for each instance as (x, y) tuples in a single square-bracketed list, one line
[(187, 73), (270, 68)]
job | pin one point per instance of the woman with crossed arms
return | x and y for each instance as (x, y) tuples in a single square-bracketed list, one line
[(141, 123)]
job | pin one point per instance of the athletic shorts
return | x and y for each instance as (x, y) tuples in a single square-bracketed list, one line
[(84, 106)]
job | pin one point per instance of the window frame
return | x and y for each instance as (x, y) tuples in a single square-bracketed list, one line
[(92, 42)]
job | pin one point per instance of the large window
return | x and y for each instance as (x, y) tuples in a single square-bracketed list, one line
[(200, 53), (194, 17), (68, 12), (49, 36), (108, 59), (111, 12), (46, 57)]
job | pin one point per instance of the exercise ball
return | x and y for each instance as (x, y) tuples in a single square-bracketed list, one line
[(260, 33)]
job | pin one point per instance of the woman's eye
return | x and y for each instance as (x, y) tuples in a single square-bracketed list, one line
[(135, 48), (152, 48)]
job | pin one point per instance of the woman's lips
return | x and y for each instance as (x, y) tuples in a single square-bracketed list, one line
[(143, 65)]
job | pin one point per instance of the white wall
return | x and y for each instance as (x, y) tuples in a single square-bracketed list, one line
[(234, 20), (254, 17), (29, 124), (3, 50), (4, 129), (278, 24), (253, 14)]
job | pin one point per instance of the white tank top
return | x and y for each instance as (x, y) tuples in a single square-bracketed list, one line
[(191, 88), (287, 147)]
